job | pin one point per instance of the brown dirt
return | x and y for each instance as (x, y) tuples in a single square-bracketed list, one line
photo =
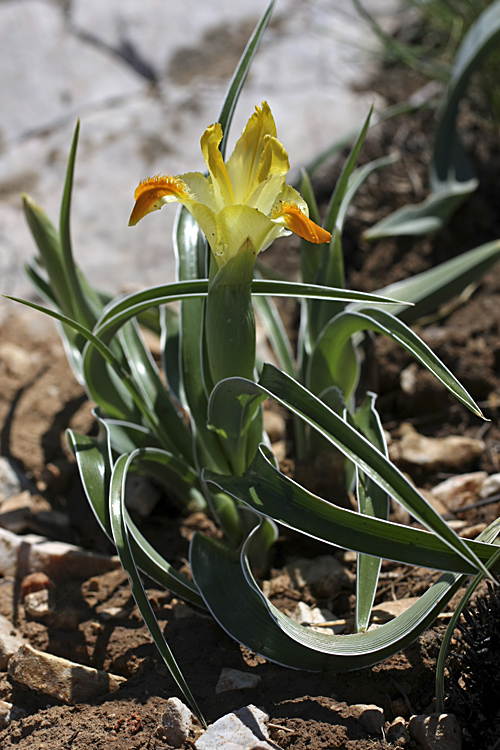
[(39, 399)]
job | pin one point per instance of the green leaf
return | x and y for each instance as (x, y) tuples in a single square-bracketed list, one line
[(82, 311), (236, 602), (276, 333), (171, 349), (372, 501), (269, 492), (428, 290), (123, 546), (175, 434), (240, 75), (332, 360), (451, 175), (47, 239), (374, 464), (343, 181), (94, 464)]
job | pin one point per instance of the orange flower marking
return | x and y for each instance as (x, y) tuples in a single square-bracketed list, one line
[(151, 194), (244, 200), (297, 221)]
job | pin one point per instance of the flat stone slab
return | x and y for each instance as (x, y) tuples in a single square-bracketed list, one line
[(60, 678), (146, 83)]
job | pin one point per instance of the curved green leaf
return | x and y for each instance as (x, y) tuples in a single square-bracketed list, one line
[(428, 290), (374, 464), (333, 359), (269, 492), (239, 606), (123, 546), (372, 501), (94, 464), (451, 175)]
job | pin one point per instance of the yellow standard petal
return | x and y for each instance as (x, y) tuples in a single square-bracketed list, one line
[(288, 214), (210, 141), (245, 163), (152, 193)]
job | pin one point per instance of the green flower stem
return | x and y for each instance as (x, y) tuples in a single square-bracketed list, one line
[(230, 342), (230, 320)]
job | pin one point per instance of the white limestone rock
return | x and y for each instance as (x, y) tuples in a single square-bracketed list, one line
[(10, 481), (60, 678), (10, 642), (325, 573), (452, 452), (242, 730), (235, 679), (463, 489), (178, 724), (370, 716), (20, 555), (63, 75)]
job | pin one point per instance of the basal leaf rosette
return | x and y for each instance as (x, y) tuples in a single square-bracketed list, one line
[(241, 202)]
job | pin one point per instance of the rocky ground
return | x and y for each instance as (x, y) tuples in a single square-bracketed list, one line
[(73, 603)]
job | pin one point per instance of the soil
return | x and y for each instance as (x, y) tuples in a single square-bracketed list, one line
[(39, 399)]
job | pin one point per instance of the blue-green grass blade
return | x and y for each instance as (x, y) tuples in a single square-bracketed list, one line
[(240, 75), (122, 542)]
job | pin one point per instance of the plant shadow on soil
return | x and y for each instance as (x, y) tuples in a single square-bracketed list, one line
[(40, 400)]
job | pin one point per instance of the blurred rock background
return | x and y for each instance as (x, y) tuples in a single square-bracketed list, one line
[(146, 77)]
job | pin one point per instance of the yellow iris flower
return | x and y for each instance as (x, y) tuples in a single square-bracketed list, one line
[(245, 199)]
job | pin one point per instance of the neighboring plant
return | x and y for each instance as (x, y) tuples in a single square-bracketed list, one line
[(451, 176), (200, 434)]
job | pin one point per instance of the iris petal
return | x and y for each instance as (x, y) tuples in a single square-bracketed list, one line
[(153, 193)]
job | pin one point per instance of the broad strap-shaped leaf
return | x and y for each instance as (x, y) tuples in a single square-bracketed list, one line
[(374, 464), (47, 240), (133, 305), (123, 545), (237, 420), (175, 434), (269, 492), (236, 602), (372, 501)]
